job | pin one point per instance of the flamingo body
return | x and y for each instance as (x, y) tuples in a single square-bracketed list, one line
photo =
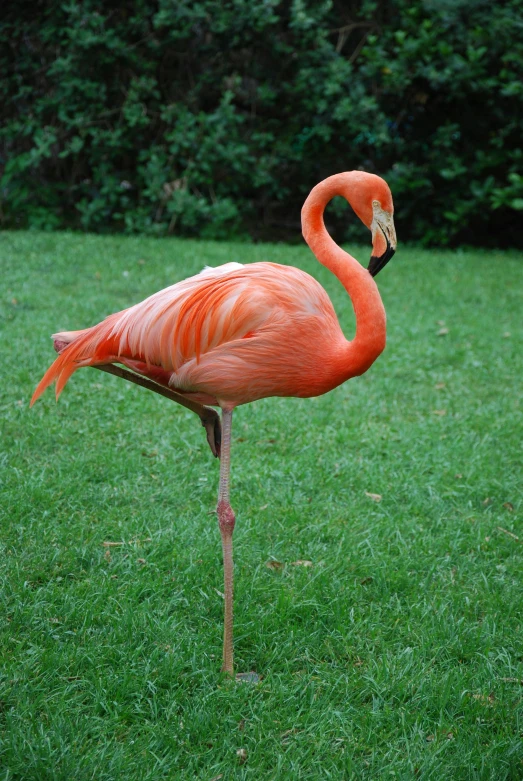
[(230, 334)]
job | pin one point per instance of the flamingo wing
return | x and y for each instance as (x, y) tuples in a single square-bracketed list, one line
[(192, 335)]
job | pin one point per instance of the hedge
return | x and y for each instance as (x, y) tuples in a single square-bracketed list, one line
[(215, 119)]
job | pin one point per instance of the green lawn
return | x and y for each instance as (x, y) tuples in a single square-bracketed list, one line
[(397, 654)]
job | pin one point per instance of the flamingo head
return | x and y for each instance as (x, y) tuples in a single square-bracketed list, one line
[(370, 197), (383, 237)]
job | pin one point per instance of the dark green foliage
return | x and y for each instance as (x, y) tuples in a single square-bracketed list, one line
[(211, 119)]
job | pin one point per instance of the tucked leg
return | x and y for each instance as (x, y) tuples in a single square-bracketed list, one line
[(208, 416), (226, 521)]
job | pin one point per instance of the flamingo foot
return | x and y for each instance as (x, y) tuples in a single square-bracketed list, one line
[(250, 677), (211, 422)]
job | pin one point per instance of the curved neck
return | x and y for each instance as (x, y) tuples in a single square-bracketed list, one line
[(369, 341)]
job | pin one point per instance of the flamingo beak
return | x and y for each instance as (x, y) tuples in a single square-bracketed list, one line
[(377, 262), (383, 239)]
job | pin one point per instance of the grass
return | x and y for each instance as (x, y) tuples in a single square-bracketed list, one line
[(397, 654)]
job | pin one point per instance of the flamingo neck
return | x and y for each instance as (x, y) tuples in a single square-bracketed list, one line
[(369, 342)]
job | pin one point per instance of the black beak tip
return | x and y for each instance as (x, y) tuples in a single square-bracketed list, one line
[(377, 263), (374, 265)]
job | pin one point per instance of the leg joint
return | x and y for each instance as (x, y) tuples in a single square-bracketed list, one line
[(226, 517)]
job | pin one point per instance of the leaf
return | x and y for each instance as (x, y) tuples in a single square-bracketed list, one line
[(374, 497), (509, 534), (135, 541), (484, 699), (443, 332), (440, 412), (272, 564), (509, 506), (301, 563)]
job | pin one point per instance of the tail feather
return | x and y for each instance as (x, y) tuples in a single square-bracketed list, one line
[(89, 347), (64, 376)]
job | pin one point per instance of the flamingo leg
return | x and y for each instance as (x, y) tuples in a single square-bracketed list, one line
[(226, 520), (208, 416)]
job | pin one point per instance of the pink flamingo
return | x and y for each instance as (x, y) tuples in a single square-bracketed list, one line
[(235, 334)]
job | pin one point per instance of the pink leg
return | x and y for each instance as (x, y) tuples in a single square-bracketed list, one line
[(226, 521)]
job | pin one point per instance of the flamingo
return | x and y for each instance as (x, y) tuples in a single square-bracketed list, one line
[(237, 333)]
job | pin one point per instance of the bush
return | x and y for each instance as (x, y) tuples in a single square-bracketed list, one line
[(216, 119)]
